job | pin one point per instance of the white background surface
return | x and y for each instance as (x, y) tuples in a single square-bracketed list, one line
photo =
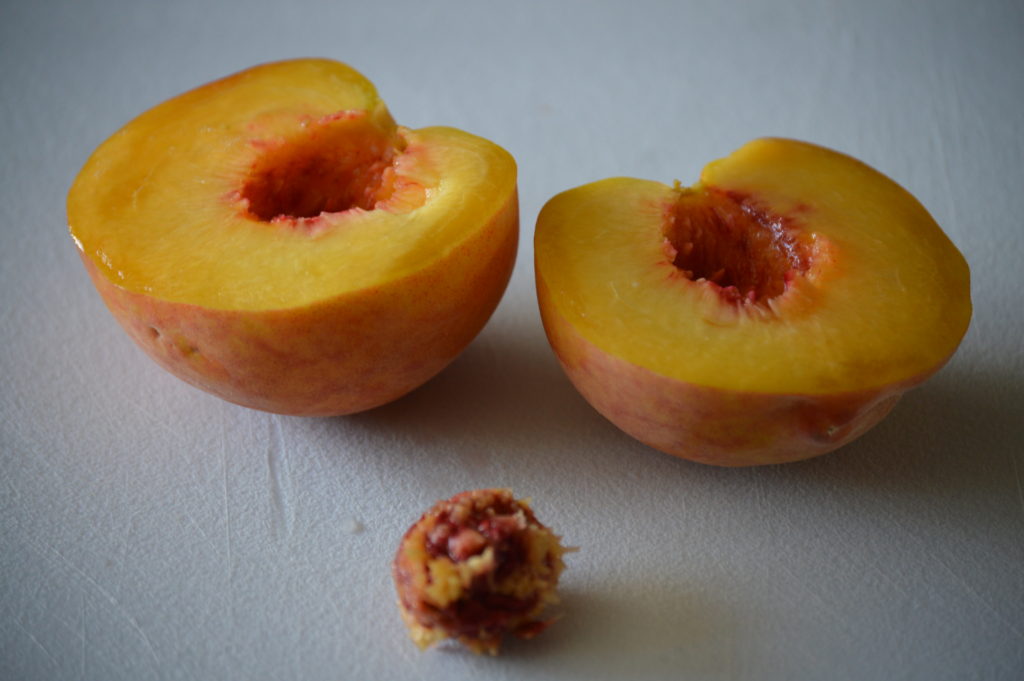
[(148, 531)]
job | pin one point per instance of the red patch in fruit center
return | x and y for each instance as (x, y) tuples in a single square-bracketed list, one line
[(747, 255), (339, 162)]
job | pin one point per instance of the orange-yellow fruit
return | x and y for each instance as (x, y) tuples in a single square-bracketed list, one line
[(276, 239), (773, 312)]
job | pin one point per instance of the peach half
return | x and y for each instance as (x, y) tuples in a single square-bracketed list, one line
[(274, 238), (773, 312)]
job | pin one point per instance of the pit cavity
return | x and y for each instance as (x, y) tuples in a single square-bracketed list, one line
[(332, 165), (749, 256)]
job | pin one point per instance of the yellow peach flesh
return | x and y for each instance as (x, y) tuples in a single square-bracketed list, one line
[(879, 302), (274, 238)]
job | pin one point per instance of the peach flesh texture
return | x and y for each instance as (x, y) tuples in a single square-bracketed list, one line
[(774, 312), (275, 239)]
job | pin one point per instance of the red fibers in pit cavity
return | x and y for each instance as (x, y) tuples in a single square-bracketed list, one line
[(333, 165), (747, 255)]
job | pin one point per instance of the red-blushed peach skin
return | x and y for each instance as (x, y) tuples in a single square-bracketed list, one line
[(276, 239), (709, 425), (772, 312), (295, 361)]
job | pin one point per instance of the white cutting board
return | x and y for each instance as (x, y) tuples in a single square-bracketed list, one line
[(148, 531)]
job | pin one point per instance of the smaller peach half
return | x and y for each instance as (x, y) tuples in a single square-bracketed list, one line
[(773, 312), (276, 239)]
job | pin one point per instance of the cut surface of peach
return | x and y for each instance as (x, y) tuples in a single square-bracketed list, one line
[(772, 312), (275, 238)]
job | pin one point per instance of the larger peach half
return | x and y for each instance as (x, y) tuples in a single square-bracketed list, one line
[(275, 239), (773, 312)]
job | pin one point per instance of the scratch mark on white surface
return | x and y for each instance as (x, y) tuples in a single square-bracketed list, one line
[(1016, 475), (978, 597), (153, 421), (82, 635), (37, 642), (827, 608), (830, 608), (13, 499), (227, 511), (277, 475), (881, 572), (945, 166), (339, 613), (761, 494), (199, 528), (118, 607), (851, 548)]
